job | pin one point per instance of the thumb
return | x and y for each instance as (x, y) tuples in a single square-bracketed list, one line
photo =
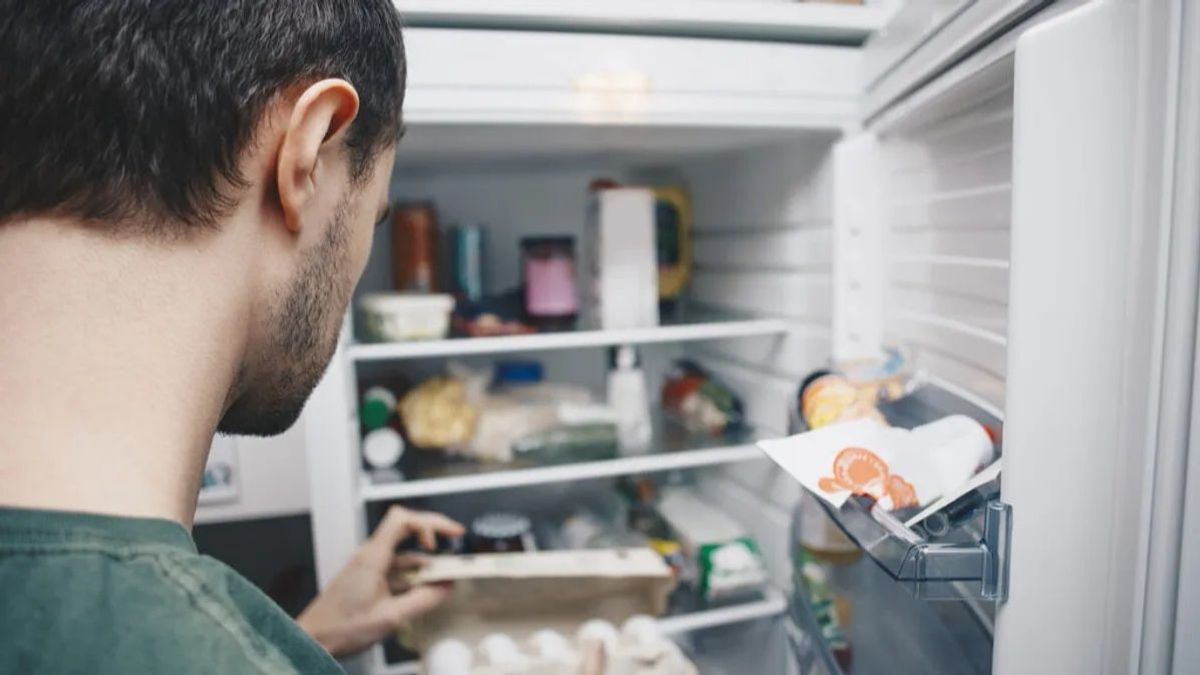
[(414, 603)]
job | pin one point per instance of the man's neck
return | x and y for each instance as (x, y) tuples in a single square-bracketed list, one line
[(115, 362)]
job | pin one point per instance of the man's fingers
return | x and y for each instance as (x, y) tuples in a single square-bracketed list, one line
[(399, 524), (593, 659), (420, 600), (406, 562), (440, 523), (403, 566), (426, 535)]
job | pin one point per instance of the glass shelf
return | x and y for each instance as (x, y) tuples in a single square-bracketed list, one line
[(429, 473), (691, 326)]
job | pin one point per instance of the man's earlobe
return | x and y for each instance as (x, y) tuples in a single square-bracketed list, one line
[(317, 126)]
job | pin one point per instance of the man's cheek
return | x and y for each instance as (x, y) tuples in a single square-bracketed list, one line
[(360, 251)]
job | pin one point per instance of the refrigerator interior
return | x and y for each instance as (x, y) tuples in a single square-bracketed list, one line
[(914, 215)]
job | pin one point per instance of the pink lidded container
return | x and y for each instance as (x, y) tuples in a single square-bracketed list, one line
[(548, 277)]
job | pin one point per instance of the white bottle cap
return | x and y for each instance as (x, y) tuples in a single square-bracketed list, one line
[(382, 448), (381, 393)]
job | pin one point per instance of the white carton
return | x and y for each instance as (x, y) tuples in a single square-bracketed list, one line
[(623, 266), (521, 593)]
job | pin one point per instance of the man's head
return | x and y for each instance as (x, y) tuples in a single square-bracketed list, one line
[(171, 121)]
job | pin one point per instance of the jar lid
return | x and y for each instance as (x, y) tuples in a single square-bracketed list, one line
[(565, 241), (500, 525)]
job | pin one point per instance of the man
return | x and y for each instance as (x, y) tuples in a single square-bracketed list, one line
[(187, 194)]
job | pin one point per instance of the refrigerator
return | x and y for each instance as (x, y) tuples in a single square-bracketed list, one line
[(1005, 188)]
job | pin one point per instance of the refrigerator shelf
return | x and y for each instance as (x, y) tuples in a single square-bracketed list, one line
[(696, 325), (932, 569), (427, 474), (822, 23)]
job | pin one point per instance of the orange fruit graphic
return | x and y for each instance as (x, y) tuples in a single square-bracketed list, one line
[(862, 472), (902, 492)]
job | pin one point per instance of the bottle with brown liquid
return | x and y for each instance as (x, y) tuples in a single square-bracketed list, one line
[(415, 247)]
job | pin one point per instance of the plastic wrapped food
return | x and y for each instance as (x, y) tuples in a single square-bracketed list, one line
[(852, 390), (437, 414), (701, 402), (573, 443)]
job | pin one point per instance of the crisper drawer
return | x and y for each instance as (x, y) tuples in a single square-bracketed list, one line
[(509, 77)]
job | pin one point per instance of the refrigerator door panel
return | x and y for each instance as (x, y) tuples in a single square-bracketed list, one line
[(1075, 408), (1184, 609)]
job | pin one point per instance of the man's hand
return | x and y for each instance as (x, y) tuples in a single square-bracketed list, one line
[(361, 606)]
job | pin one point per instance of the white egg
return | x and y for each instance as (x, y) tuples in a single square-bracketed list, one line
[(449, 657), (641, 630), (550, 644), (499, 649), (599, 629)]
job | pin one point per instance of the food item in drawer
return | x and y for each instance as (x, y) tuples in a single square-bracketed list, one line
[(728, 562), (831, 612), (402, 317)]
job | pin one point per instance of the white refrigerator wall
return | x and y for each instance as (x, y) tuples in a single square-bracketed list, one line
[(763, 246), (948, 191)]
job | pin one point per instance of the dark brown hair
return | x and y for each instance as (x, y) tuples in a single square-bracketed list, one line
[(136, 113)]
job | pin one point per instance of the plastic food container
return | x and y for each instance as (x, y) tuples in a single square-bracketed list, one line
[(397, 317)]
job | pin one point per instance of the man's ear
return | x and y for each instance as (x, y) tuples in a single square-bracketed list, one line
[(316, 129)]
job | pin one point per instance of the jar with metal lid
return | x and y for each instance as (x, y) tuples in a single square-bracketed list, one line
[(501, 532), (551, 294)]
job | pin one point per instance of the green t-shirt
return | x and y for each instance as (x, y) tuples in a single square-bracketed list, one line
[(101, 595)]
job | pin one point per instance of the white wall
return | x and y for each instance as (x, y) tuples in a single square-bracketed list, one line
[(272, 479)]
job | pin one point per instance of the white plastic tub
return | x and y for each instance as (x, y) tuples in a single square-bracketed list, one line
[(399, 317)]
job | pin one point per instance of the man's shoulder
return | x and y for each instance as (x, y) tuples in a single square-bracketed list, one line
[(145, 609)]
